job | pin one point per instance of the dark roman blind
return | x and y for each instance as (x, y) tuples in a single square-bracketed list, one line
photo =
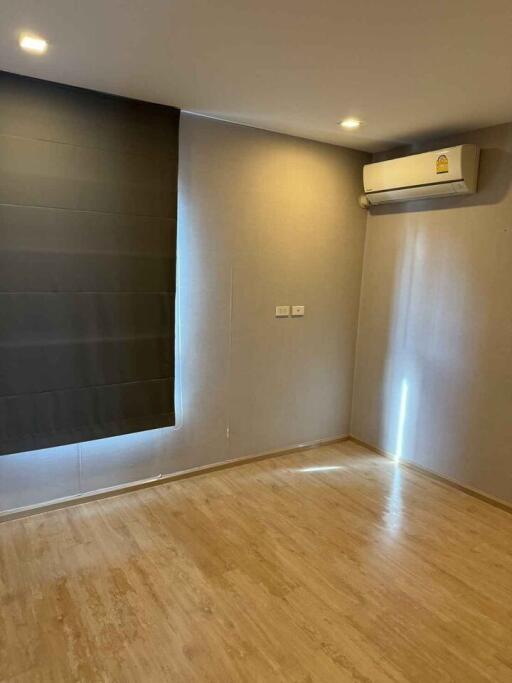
[(88, 190)]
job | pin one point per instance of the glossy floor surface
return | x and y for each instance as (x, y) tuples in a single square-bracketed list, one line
[(326, 565)]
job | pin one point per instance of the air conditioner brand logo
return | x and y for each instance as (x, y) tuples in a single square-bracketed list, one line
[(442, 164)]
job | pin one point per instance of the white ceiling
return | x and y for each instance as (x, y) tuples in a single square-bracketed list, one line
[(409, 69)]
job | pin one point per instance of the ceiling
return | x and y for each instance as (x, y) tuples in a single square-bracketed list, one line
[(409, 70)]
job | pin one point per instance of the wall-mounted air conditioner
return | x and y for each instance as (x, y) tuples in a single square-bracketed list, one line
[(445, 172)]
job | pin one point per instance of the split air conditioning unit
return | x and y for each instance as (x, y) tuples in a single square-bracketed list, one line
[(443, 173)]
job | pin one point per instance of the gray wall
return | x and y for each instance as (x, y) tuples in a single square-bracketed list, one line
[(264, 219), (434, 355)]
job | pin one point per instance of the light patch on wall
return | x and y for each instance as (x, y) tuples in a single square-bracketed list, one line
[(402, 417)]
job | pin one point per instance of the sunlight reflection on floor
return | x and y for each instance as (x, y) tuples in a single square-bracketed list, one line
[(320, 468)]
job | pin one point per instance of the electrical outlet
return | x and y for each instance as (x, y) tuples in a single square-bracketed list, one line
[(298, 311), (282, 311)]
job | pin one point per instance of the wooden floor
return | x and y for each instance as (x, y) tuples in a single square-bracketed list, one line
[(326, 565)]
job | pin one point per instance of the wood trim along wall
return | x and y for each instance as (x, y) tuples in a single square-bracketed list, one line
[(440, 479), (80, 498), (235, 462)]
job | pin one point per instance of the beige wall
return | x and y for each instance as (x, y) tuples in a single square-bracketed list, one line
[(434, 356), (264, 219)]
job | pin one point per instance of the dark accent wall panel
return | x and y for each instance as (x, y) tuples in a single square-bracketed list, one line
[(88, 194)]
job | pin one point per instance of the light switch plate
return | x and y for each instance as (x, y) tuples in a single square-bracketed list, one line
[(282, 311), (298, 311)]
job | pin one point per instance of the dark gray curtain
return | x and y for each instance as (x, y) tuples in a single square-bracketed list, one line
[(88, 190)]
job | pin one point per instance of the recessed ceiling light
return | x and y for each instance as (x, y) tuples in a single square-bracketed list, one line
[(350, 123), (34, 44)]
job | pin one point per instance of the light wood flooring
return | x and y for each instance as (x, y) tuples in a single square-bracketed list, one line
[(326, 565)]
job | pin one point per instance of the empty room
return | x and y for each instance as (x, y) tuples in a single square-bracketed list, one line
[(255, 341)]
